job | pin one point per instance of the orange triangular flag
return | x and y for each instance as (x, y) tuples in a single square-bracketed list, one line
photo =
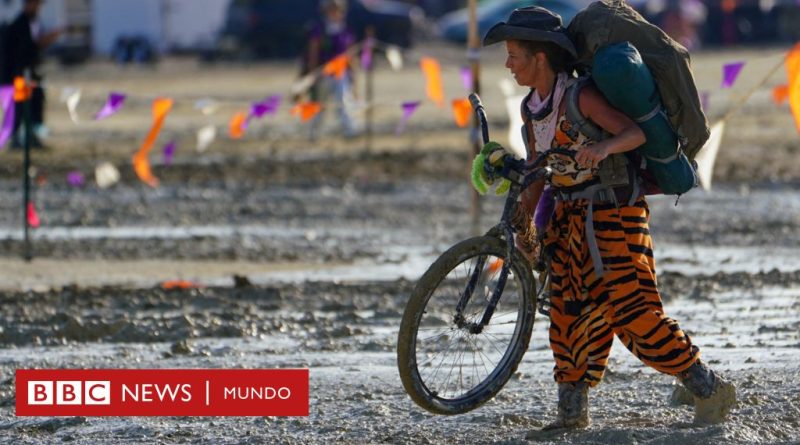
[(495, 265), (33, 217), (794, 102), (179, 284), (307, 110), (22, 90), (780, 93), (337, 66), (161, 106), (793, 63), (462, 111), (433, 75), (793, 71), (236, 126), (141, 165)]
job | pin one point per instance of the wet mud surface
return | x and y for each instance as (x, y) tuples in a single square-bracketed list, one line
[(346, 333), (728, 275)]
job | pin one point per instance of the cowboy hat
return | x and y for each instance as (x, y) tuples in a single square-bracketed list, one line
[(531, 23)]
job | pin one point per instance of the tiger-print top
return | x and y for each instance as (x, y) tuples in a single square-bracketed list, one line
[(565, 144)]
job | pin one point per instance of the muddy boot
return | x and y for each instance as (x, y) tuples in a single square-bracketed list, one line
[(713, 396), (573, 406)]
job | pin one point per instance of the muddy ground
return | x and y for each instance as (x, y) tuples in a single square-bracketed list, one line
[(306, 254)]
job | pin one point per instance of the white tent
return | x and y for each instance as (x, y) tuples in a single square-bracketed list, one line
[(168, 24)]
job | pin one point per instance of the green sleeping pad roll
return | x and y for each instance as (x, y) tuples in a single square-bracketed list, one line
[(626, 82)]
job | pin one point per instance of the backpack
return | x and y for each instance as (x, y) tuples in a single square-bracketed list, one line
[(658, 166), (608, 22), (625, 81)]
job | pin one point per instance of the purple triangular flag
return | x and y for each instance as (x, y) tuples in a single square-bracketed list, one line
[(730, 71), (113, 104), (169, 152), (466, 78), (267, 106), (76, 179), (257, 110), (7, 102), (366, 55), (408, 109)]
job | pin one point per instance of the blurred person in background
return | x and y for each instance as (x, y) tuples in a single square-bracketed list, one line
[(681, 20), (24, 40), (328, 38)]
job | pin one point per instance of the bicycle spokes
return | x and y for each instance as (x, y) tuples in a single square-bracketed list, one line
[(451, 362), (457, 351)]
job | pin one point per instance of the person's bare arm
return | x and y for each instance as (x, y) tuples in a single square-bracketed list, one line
[(627, 135), (525, 239), (529, 198)]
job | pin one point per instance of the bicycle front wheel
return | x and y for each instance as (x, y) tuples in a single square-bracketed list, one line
[(447, 366)]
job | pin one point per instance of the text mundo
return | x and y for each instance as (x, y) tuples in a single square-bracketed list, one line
[(257, 393)]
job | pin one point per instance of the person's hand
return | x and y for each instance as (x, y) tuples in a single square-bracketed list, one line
[(482, 179), (589, 156), (495, 153)]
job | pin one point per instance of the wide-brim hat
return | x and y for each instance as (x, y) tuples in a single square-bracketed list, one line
[(531, 23)]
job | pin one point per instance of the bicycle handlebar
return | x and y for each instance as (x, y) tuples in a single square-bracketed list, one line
[(475, 101), (527, 170)]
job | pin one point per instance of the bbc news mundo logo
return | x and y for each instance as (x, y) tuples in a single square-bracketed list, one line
[(162, 392)]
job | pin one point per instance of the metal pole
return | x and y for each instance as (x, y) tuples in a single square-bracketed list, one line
[(473, 56), (27, 255), (370, 93)]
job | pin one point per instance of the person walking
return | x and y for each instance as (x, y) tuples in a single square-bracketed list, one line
[(327, 39), (591, 303), (23, 44)]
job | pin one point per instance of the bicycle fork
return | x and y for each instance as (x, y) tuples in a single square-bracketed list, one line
[(508, 232)]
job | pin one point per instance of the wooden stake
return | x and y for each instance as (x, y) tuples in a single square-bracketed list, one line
[(473, 57)]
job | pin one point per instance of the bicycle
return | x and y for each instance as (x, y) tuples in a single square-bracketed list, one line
[(444, 324)]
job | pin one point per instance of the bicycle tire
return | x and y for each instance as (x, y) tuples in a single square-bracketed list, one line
[(431, 399)]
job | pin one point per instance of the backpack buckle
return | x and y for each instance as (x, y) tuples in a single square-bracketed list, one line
[(607, 195)]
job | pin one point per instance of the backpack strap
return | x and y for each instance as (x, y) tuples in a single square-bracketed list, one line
[(527, 126), (573, 110)]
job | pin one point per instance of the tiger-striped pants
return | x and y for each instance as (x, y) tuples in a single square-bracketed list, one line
[(587, 312)]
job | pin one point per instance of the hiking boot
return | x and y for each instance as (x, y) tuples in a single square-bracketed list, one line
[(713, 396), (573, 406)]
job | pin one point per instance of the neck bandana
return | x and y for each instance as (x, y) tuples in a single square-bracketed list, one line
[(544, 113)]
